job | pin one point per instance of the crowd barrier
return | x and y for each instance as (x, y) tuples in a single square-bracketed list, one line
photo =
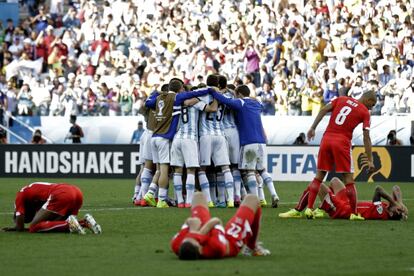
[(284, 163)]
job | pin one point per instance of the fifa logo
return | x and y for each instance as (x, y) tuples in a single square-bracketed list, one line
[(160, 107)]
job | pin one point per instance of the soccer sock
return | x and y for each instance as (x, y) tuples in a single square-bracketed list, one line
[(178, 187), (327, 204), (237, 183), (205, 187), (313, 192), (153, 189), (229, 184), (303, 201), (260, 192), (137, 191), (251, 183), (162, 194), (221, 187), (268, 181), (212, 180), (243, 191), (255, 229), (146, 178), (352, 195), (189, 186), (50, 226)]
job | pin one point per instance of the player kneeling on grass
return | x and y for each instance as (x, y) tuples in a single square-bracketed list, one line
[(336, 203), (204, 237), (51, 207)]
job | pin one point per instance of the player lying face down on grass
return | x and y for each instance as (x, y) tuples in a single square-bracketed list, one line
[(50, 207), (336, 203), (204, 237)]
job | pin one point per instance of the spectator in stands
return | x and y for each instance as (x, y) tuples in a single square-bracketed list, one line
[(294, 99), (75, 131), (267, 97), (3, 136), (136, 136), (24, 101), (392, 139), (3, 106), (37, 137)]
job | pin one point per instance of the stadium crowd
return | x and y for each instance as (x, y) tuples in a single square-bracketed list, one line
[(105, 57)]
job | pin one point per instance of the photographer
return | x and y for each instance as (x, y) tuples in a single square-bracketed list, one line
[(392, 139), (37, 137), (300, 140)]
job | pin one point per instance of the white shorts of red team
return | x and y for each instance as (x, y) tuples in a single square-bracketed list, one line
[(233, 144), (213, 148), (252, 157), (145, 147), (160, 148), (184, 152)]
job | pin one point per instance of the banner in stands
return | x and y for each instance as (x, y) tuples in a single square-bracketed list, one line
[(284, 163)]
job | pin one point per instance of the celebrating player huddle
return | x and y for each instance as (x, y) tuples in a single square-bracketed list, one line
[(196, 130)]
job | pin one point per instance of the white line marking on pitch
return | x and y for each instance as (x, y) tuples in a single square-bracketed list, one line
[(148, 208)]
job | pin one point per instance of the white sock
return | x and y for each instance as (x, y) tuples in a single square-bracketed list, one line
[(228, 180), (251, 183), (205, 187), (189, 186), (221, 187), (178, 187), (162, 194), (146, 178), (153, 189), (243, 192), (237, 183), (212, 180), (268, 181), (260, 188), (137, 191)]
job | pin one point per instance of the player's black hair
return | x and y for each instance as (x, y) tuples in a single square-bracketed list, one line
[(212, 81), (243, 90), (175, 85), (231, 86), (164, 88), (222, 81), (202, 85), (188, 251), (396, 217)]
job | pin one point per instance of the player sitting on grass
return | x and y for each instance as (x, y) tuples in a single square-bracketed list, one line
[(204, 237), (51, 208), (336, 203)]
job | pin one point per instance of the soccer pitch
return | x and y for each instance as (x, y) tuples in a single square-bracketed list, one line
[(135, 240)]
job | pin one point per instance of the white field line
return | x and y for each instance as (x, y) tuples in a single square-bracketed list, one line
[(114, 209)]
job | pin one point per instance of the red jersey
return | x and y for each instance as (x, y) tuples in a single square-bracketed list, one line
[(347, 114), (30, 198), (373, 210), (214, 243)]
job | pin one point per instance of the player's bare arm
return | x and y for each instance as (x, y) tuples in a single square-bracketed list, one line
[(212, 107), (19, 224), (381, 193), (368, 150), (326, 109), (209, 225), (191, 102)]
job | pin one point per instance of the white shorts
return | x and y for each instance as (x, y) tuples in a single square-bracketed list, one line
[(184, 152), (160, 148), (252, 157), (146, 146), (233, 142), (214, 148)]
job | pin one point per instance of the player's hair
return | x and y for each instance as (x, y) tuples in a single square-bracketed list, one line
[(202, 85), (231, 86), (188, 251), (369, 95), (164, 88), (175, 85), (222, 81), (212, 80), (243, 90)]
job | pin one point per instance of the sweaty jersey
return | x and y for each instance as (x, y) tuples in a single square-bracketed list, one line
[(347, 114), (211, 123), (373, 210), (188, 124), (228, 119)]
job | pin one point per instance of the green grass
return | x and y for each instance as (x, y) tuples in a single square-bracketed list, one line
[(135, 241)]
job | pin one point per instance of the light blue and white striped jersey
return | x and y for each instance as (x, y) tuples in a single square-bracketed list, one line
[(228, 119), (188, 124), (211, 123)]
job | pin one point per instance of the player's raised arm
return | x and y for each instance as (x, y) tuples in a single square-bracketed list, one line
[(381, 193), (209, 225), (326, 109), (236, 104)]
